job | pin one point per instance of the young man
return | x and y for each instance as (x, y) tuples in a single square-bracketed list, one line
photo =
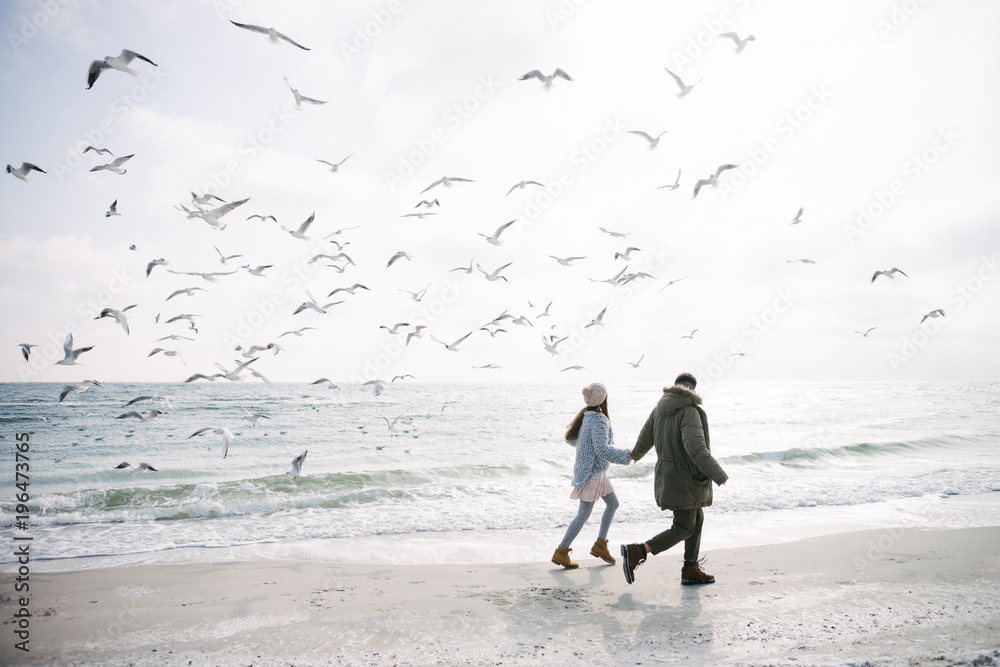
[(685, 470)]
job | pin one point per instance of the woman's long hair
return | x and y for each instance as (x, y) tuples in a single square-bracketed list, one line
[(573, 431)]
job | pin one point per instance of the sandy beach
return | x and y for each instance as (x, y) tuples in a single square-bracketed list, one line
[(882, 597)]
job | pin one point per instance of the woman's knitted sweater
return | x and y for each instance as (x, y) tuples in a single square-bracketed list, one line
[(593, 448)]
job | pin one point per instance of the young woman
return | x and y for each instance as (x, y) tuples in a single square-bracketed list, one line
[(590, 432)]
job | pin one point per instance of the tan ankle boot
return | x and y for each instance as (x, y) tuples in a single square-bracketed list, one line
[(600, 550), (561, 557)]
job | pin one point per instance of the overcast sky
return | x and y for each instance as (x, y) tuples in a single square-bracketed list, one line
[(878, 118)]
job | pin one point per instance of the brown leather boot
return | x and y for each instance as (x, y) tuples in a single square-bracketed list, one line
[(561, 557), (693, 574), (600, 550), (632, 557)]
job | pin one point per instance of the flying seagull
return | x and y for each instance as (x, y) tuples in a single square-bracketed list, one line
[(496, 273), (713, 179), (300, 98), (672, 186), (253, 417), (115, 166), (150, 397), (865, 333), (71, 355), (428, 204), (133, 414), (117, 315), (297, 462), (933, 313), (120, 62), (740, 43), (617, 235), (225, 258), (628, 253), (335, 166), (187, 291), (155, 263), (565, 261), (798, 217), (112, 210), (398, 256), (142, 467), (599, 320), (495, 239), (257, 271), (272, 34), (546, 80), (167, 353), (890, 274), (23, 171), (300, 233), (227, 436), (522, 185), (636, 364), (205, 199), (804, 261), (99, 151), (78, 388), (447, 182), (26, 349), (453, 347), (690, 336), (313, 304), (213, 217), (685, 89), (653, 141)]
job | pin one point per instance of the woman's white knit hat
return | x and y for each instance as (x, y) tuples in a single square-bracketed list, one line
[(594, 394)]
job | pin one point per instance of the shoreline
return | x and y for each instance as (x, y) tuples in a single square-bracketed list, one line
[(889, 596)]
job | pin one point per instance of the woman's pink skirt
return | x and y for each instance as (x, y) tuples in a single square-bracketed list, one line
[(594, 489)]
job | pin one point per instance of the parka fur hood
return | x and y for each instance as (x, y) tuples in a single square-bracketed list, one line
[(685, 469)]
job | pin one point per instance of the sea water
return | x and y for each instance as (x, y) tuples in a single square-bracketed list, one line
[(484, 462)]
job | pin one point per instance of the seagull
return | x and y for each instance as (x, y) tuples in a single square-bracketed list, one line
[(401, 377), (685, 89), (933, 313), (312, 303), (420, 215), (628, 252), (167, 353), (740, 43), (255, 349), (613, 280), (172, 337), (496, 274), (573, 368), (202, 376), (155, 263), (257, 271), (142, 467), (112, 210), (545, 313), (391, 424), (798, 217), (132, 414), (672, 186), (187, 291), (890, 274), (495, 239), (740, 354), (454, 346), (184, 316), (26, 349), (272, 34), (428, 204), (417, 296), (78, 388), (253, 417), (70, 354), (565, 261), (394, 329), (335, 166), (713, 179), (151, 397), (467, 269), (263, 217), (522, 185), (865, 333), (416, 333), (350, 290), (340, 231), (120, 62), (225, 258), (298, 332), (546, 80), (522, 321), (297, 462), (378, 386), (213, 217), (332, 258), (494, 332), (99, 151), (326, 380), (300, 98), (690, 336), (447, 182), (489, 366), (804, 261), (117, 315), (653, 141), (300, 233), (258, 374), (227, 436), (619, 235), (636, 364), (114, 166), (205, 199), (212, 276), (399, 255), (23, 171), (599, 320), (234, 375), (675, 280)]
